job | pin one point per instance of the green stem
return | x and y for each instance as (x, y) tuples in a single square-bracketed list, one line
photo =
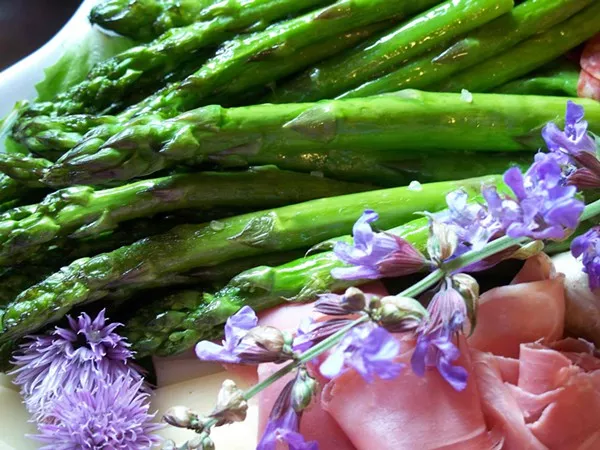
[(423, 284), (591, 210), (307, 356)]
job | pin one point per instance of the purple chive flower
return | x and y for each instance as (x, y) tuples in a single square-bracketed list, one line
[(284, 423), (543, 209), (78, 357), (113, 415), (245, 342), (376, 254), (368, 349), (588, 245), (435, 347)]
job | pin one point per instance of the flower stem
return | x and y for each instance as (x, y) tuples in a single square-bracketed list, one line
[(591, 210), (307, 356), (423, 284)]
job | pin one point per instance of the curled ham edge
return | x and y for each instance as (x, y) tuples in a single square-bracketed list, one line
[(500, 409)]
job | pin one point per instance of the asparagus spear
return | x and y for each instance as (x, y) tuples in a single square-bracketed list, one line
[(82, 211), (173, 324), (191, 246), (525, 20), (528, 55), (56, 135), (386, 52), (144, 20), (149, 64), (560, 78), (409, 120)]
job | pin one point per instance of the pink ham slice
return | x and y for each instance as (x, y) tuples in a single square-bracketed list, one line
[(589, 78), (588, 86), (316, 425), (532, 308), (409, 412), (554, 404)]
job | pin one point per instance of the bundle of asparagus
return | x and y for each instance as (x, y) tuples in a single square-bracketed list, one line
[(211, 86)]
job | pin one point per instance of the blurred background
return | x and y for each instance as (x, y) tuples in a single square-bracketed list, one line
[(26, 25)]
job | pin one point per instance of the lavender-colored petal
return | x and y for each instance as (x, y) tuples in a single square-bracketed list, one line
[(288, 420), (333, 366), (296, 441), (111, 416), (361, 231), (48, 366), (356, 273), (209, 351), (514, 179), (238, 325), (588, 247)]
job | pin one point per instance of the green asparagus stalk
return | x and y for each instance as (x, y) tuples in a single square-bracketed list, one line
[(527, 19), (144, 20), (237, 93), (388, 51), (528, 55), (401, 122), (26, 170), (281, 40), (82, 211), (559, 79), (57, 135), (192, 246), (171, 325), (149, 64)]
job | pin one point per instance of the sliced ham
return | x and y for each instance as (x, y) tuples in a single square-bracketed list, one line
[(555, 403), (532, 308), (590, 57), (316, 425), (408, 412), (588, 86), (589, 77)]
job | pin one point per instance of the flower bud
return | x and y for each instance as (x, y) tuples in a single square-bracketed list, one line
[(442, 241), (303, 390), (354, 299), (265, 344), (181, 417), (399, 314), (468, 288), (231, 404)]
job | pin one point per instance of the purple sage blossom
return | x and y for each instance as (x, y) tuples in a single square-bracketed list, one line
[(368, 349), (113, 415), (588, 246), (236, 328), (472, 222), (574, 148), (68, 359), (543, 207), (575, 137), (284, 423), (245, 342), (376, 254), (435, 347)]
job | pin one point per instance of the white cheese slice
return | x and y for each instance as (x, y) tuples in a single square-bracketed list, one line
[(14, 423)]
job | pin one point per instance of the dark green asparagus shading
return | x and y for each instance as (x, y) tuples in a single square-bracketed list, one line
[(173, 324), (192, 246), (388, 51), (558, 78), (528, 55), (82, 211), (525, 20), (399, 123)]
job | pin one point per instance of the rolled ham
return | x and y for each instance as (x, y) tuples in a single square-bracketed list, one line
[(530, 309)]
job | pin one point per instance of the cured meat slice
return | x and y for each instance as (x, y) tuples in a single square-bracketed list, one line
[(409, 412), (530, 309)]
